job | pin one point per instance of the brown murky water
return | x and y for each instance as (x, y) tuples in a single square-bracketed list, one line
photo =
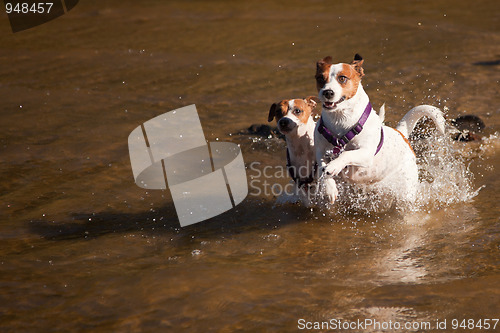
[(83, 248)]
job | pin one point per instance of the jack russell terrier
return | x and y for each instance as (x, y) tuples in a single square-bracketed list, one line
[(295, 122), (363, 150)]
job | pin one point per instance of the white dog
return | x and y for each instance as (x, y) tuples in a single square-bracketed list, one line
[(364, 150), (295, 121)]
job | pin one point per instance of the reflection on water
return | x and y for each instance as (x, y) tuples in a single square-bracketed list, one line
[(84, 248), (398, 265)]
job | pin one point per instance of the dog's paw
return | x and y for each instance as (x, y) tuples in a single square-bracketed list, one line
[(331, 198), (332, 169)]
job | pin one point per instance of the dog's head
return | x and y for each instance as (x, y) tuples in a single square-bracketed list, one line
[(291, 114), (337, 83)]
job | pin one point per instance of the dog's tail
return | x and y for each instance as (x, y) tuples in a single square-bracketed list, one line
[(381, 113), (407, 124)]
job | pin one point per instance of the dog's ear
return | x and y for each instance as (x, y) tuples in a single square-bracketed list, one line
[(358, 64), (312, 101), (272, 112), (326, 60), (321, 67)]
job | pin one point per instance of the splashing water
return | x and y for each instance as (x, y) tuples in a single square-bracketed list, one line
[(444, 175)]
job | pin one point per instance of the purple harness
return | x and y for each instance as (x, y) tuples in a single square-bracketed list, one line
[(339, 143), (293, 172)]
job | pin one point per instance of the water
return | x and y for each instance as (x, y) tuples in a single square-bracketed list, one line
[(83, 248)]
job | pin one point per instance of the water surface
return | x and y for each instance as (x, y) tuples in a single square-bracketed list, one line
[(83, 248)]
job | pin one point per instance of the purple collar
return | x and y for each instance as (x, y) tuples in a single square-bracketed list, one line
[(339, 143)]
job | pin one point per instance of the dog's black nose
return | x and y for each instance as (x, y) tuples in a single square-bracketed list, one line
[(286, 124), (328, 94)]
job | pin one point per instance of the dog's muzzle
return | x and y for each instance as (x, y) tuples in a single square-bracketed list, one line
[(328, 94), (286, 124), (332, 105)]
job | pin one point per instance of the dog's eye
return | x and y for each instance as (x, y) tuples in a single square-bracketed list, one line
[(342, 79), (297, 111)]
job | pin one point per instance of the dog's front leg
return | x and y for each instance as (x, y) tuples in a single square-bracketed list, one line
[(331, 191), (358, 157), (320, 155), (329, 185)]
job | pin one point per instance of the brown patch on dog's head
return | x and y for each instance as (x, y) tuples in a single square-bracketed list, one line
[(350, 76), (349, 79), (278, 110), (302, 109), (323, 72)]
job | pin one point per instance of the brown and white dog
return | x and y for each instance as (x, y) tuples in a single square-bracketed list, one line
[(295, 121), (364, 150)]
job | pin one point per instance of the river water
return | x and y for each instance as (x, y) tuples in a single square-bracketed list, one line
[(84, 248)]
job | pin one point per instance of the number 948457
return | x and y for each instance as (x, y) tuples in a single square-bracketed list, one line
[(28, 8)]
